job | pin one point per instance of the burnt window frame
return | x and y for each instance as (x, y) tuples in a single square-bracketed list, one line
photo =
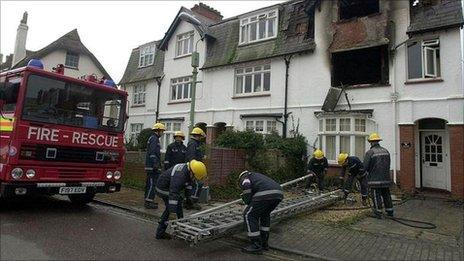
[(340, 18), (384, 69)]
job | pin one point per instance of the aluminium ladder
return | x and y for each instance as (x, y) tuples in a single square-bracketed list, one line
[(228, 218)]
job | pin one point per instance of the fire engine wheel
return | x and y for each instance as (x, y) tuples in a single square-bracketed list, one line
[(81, 200)]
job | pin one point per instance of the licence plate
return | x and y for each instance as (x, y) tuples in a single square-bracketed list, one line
[(72, 190)]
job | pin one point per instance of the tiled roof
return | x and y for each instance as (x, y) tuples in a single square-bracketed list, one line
[(134, 74), (295, 35), (438, 15), (70, 42)]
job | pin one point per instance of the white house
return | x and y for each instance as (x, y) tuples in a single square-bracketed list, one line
[(334, 71), (67, 50)]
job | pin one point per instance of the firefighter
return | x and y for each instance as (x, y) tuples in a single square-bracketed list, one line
[(175, 152), (153, 164), (169, 187), (262, 195), (377, 165), (194, 151), (355, 167), (318, 165)]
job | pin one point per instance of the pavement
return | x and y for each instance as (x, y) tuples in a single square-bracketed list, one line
[(50, 228), (366, 239)]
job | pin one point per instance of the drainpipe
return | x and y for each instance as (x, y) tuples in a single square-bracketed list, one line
[(158, 81), (287, 66)]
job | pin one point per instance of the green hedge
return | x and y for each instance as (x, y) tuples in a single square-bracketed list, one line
[(282, 159)]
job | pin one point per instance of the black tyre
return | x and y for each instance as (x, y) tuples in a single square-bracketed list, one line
[(81, 199)]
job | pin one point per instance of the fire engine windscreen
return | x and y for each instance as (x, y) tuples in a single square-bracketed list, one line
[(58, 102)]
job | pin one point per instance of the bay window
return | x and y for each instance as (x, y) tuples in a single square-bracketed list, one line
[(259, 27), (262, 126), (343, 135), (168, 137)]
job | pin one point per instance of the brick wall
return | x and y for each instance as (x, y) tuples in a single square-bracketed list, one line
[(456, 137), (407, 175), (222, 162)]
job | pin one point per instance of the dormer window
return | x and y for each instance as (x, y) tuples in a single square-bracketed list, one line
[(147, 56), (259, 27), (184, 44)]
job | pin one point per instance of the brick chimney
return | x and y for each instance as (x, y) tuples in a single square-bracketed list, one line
[(207, 11)]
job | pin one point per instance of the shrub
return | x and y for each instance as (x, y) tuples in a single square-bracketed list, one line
[(143, 137)]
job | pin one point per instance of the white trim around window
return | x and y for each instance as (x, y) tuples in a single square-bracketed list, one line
[(261, 125), (181, 89), (138, 95), (423, 59), (72, 60), (259, 27), (252, 80), (184, 44), (344, 134), (168, 136), (147, 55)]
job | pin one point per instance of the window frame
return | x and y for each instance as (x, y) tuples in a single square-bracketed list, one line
[(147, 51), (353, 133), (265, 125), (262, 71), (176, 84), (180, 38), (168, 136), (71, 54), (135, 133), (139, 91), (432, 44), (246, 22)]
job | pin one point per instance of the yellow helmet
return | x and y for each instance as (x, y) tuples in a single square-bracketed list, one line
[(179, 134), (198, 169), (198, 131), (318, 154), (159, 126), (342, 159), (374, 137)]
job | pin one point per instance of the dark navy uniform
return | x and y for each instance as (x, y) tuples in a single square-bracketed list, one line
[(356, 170), (169, 187), (194, 151), (377, 166), (318, 167), (262, 195), (152, 166), (175, 154)]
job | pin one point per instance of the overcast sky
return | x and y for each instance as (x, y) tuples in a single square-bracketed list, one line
[(109, 29)]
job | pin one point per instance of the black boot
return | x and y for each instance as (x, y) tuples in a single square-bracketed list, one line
[(254, 247), (161, 232), (264, 240)]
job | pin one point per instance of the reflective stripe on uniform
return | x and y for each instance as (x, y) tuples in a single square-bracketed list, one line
[(173, 202), (246, 220), (268, 192), (254, 234), (247, 191), (6, 124), (162, 191), (148, 168), (265, 228), (380, 154), (188, 187)]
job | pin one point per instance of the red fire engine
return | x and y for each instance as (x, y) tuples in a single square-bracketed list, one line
[(60, 135)]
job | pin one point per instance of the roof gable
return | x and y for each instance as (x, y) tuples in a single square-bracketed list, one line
[(69, 42), (200, 23)]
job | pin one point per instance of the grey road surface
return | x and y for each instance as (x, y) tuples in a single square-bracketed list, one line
[(50, 228)]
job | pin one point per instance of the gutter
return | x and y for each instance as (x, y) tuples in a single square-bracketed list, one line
[(158, 81), (287, 66)]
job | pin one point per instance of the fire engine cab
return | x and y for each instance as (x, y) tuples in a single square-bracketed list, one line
[(60, 135)]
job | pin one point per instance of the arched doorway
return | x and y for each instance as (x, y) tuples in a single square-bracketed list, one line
[(434, 158)]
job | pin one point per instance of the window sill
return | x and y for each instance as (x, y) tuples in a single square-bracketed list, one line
[(368, 85), (430, 80), (137, 106), (178, 102), (257, 42), (72, 68), (182, 56), (251, 95)]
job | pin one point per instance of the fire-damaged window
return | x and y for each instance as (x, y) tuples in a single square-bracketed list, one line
[(362, 66), (357, 8)]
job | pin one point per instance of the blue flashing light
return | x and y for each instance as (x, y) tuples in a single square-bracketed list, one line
[(109, 83), (35, 63)]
